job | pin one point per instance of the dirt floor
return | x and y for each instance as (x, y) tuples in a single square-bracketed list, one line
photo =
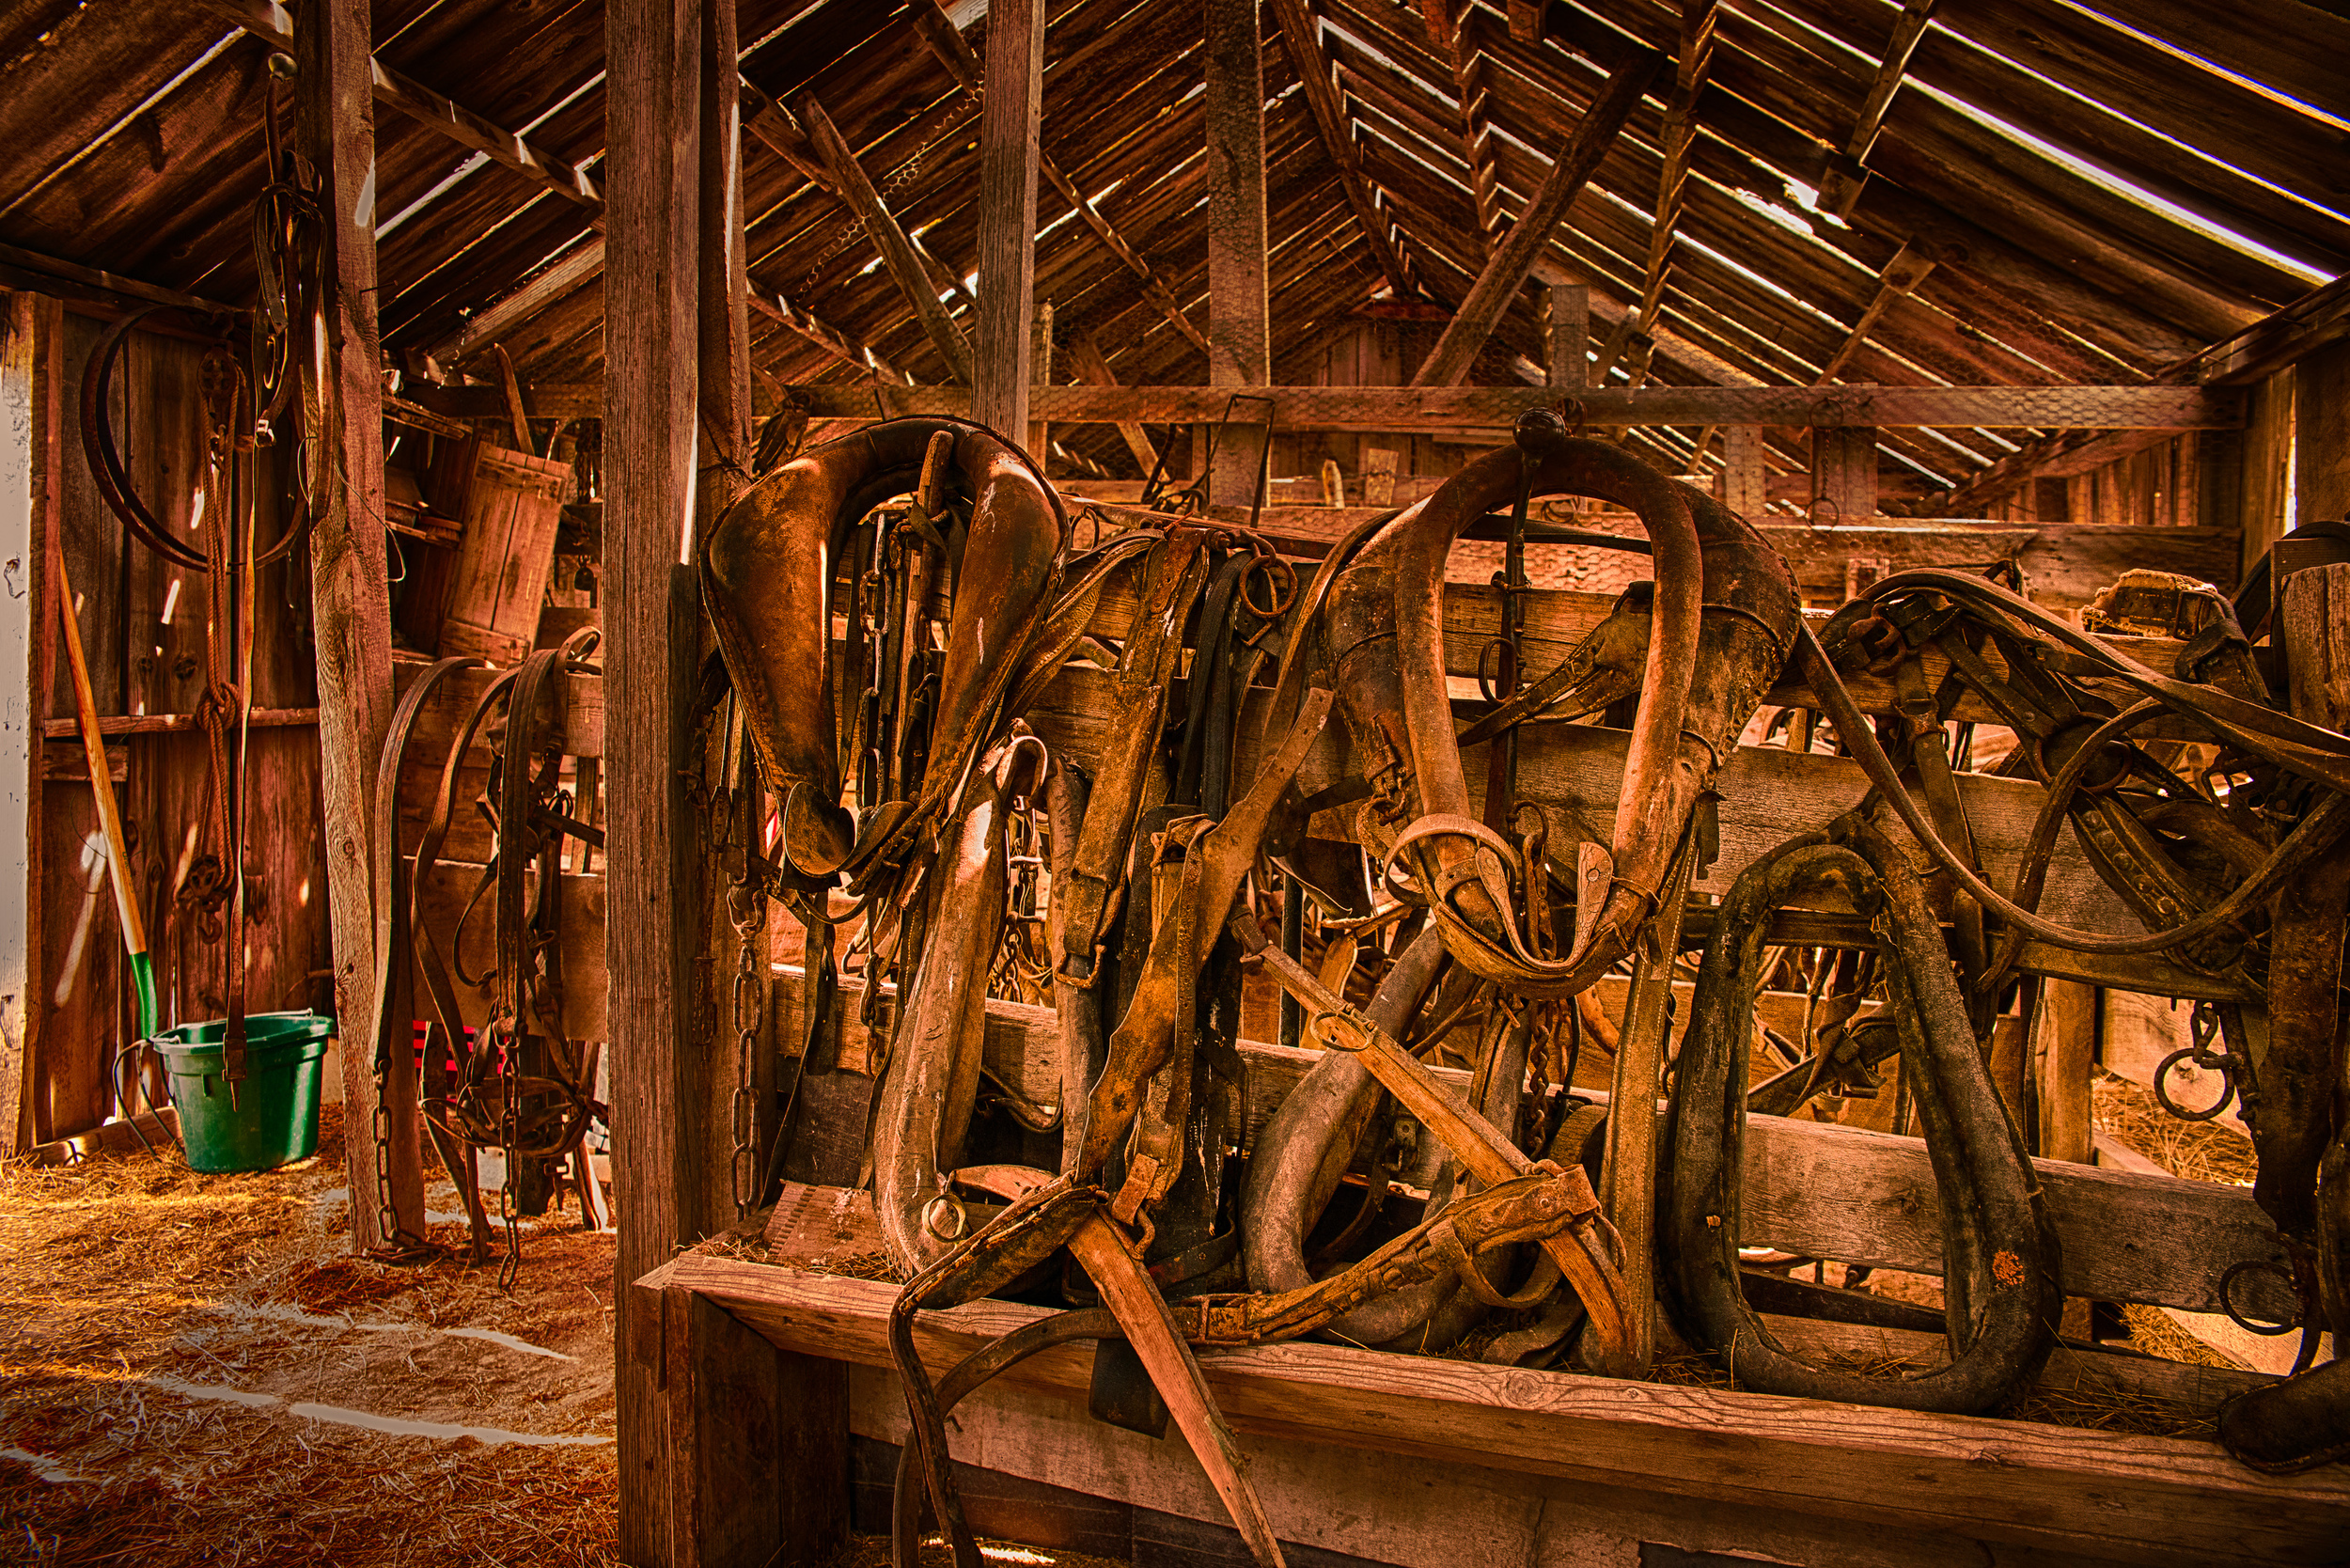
[(194, 1369)]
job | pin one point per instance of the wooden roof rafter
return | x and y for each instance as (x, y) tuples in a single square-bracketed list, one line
[(1300, 36), (274, 25), (1842, 186)]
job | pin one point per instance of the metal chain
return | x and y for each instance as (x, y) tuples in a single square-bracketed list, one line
[(898, 179), (510, 1132), (393, 1240), (750, 1012)]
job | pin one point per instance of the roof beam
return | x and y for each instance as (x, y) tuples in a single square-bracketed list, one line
[(1691, 60), (2320, 317), (1904, 271), (1842, 187), (1507, 270), (947, 41), (889, 237), (272, 24), (824, 335), (2154, 408), (565, 277), (773, 125), (1323, 102), (129, 288), (2317, 319), (1477, 144)]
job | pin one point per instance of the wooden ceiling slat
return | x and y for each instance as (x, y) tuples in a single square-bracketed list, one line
[(2292, 47), (2257, 134), (2214, 191), (97, 65)]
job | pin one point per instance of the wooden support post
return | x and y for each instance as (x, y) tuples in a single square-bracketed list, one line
[(1844, 471), (27, 416), (349, 591), (1007, 171), (1039, 434), (760, 1471), (1092, 368), (2269, 463), (1567, 335), (1240, 336), (2320, 469), (889, 238), (1512, 261), (659, 1169), (2064, 1051)]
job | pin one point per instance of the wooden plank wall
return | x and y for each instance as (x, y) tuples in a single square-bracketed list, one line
[(143, 622)]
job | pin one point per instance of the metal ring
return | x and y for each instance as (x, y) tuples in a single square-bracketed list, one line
[(1275, 569), (1322, 1026), (2202, 1058), (2229, 1307), (932, 1211)]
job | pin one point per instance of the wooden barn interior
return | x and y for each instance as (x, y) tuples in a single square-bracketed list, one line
[(859, 781)]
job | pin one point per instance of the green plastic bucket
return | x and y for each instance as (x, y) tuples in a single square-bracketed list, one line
[(275, 1116)]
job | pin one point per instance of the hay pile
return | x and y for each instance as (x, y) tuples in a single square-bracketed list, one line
[(182, 1358), (2198, 1150)]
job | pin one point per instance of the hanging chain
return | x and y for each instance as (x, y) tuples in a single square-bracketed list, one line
[(750, 1012), (898, 179), (394, 1241), (510, 1132)]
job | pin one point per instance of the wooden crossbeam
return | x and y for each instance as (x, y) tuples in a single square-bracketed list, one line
[(772, 124), (1493, 408), (273, 24), (1093, 368), (947, 41), (1904, 271), (2320, 317), (1507, 270), (565, 277), (1322, 102), (103, 283), (805, 325), (1840, 189), (888, 236)]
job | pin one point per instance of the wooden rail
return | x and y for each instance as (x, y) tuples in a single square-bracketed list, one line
[(1343, 1439)]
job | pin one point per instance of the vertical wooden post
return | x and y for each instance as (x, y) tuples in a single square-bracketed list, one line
[(2269, 415), (1745, 484), (2320, 473), (759, 1475), (1009, 121), (1240, 338), (350, 594), (653, 107), (1567, 331), (23, 703), (1844, 470), (2063, 1053)]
